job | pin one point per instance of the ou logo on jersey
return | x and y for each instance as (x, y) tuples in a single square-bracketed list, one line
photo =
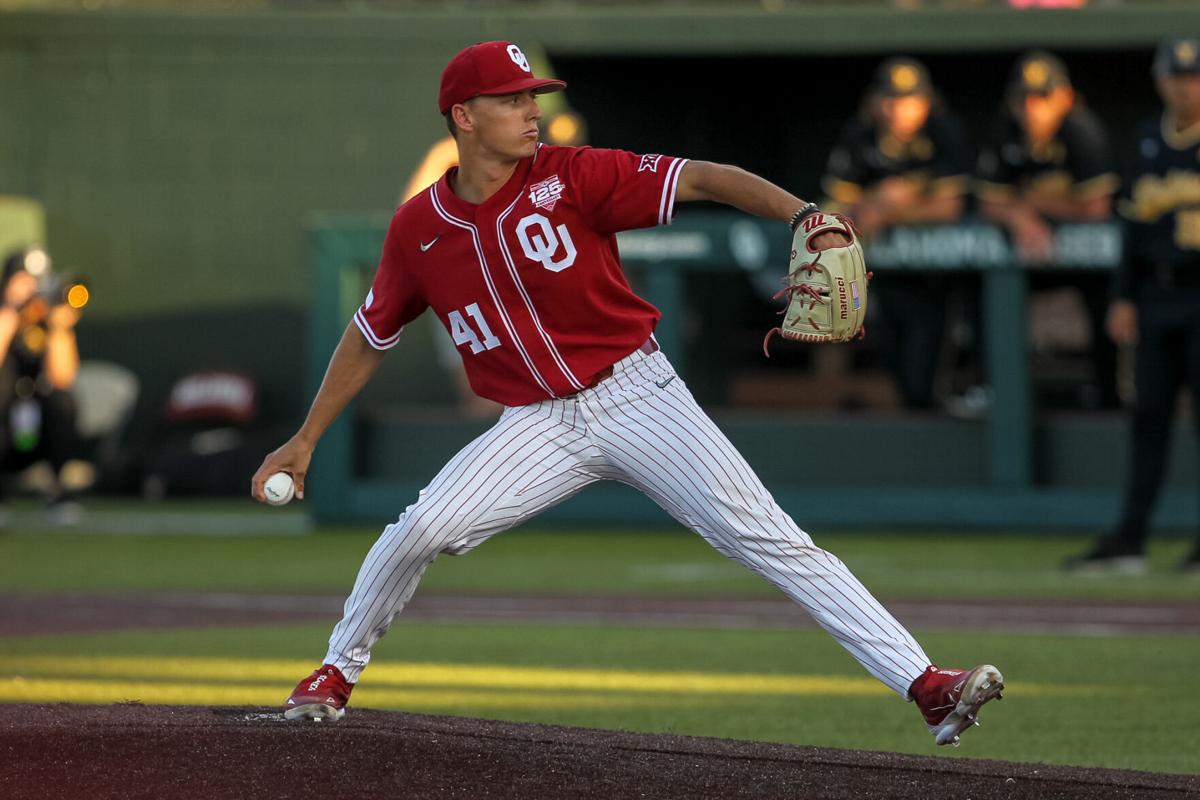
[(518, 57), (542, 245)]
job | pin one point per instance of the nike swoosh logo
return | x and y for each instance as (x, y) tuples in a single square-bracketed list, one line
[(663, 384), (425, 247)]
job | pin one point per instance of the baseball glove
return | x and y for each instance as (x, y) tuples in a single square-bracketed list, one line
[(826, 290)]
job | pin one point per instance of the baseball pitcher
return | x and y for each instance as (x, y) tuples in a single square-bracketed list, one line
[(515, 252)]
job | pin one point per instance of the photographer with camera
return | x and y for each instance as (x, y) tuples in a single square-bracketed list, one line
[(39, 360)]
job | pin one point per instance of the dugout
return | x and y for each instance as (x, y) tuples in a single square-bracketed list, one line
[(165, 150)]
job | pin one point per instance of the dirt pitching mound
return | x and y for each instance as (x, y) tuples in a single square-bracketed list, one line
[(134, 751)]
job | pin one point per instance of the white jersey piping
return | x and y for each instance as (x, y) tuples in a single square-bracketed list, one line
[(666, 206), (365, 327), (512, 270), (487, 278)]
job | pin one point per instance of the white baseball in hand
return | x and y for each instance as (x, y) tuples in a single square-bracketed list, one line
[(279, 488)]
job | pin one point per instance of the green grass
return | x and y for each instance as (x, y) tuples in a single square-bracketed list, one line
[(1112, 702), (1116, 702), (664, 562)]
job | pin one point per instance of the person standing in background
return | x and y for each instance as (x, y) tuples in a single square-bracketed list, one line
[(902, 161), (1048, 161), (1156, 299), (39, 361)]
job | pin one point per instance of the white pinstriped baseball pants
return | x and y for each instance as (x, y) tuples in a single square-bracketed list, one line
[(657, 440)]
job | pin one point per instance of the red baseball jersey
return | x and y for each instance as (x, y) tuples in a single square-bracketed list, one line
[(529, 282)]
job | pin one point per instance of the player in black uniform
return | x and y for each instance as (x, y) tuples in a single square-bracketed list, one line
[(1156, 301), (1048, 160), (902, 160)]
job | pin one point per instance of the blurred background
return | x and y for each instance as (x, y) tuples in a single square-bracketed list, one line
[(218, 176), (193, 196)]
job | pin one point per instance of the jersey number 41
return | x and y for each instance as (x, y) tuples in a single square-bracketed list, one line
[(463, 333)]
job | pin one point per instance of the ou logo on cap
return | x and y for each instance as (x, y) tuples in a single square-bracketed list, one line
[(518, 57)]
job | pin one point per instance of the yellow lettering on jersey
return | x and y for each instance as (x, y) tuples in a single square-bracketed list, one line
[(1052, 184), (1187, 229), (1051, 152), (1155, 195)]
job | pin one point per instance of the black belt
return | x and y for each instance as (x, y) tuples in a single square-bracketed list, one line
[(649, 346)]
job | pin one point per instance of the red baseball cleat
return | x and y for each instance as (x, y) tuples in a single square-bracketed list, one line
[(322, 695), (950, 699)]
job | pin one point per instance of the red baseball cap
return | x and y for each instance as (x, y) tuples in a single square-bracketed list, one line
[(489, 68)]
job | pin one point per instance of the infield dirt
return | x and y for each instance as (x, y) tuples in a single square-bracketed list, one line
[(134, 751)]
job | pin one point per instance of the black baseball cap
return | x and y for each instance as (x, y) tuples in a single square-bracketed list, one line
[(1177, 56), (902, 77), (1038, 72)]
